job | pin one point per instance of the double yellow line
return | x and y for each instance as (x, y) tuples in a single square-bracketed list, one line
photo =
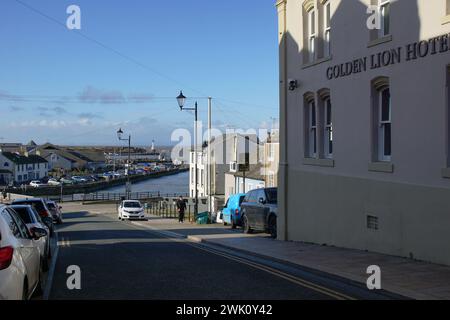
[(293, 279), (301, 282)]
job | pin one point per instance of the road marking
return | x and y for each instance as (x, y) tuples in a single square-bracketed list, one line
[(301, 282), (329, 292), (65, 242)]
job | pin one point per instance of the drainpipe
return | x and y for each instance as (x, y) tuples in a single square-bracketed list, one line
[(283, 218)]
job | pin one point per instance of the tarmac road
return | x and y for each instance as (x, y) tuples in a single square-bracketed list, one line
[(122, 261)]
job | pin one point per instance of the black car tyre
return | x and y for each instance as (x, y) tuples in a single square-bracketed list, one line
[(25, 290), (246, 225), (45, 265)]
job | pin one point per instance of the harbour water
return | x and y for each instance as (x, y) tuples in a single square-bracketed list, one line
[(178, 183)]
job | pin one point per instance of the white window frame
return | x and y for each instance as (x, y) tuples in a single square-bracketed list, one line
[(312, 130), (312, 34), (328, 129), (382, 125), (327, 28), (382, 5)]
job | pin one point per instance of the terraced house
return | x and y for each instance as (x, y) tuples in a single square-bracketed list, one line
[(16, 168), (365, 125)]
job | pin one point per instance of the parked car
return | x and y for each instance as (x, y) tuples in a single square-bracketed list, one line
[(219, 217), (78, 179), (131, 209), (259, 211), (20, 262), (36, 184), (94, 178), (41, 208), (55, 210), (32, 220), (231, 212), (53, 182), (66, 181)]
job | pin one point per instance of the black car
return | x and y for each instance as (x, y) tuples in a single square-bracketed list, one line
[(259, 211)]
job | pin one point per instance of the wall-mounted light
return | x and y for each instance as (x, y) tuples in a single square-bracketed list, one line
[(293, 84)]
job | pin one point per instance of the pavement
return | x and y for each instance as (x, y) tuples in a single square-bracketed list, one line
[(405, 277), (160, 259)]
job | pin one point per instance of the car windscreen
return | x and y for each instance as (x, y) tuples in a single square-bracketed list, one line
[(132, 205), (24, 215), (272, 195)]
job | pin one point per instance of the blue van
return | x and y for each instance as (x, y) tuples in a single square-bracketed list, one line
[(232, 210)]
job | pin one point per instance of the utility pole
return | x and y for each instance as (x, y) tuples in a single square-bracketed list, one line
[(210, 204)]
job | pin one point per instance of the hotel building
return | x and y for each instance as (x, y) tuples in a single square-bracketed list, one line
[(365, 117)]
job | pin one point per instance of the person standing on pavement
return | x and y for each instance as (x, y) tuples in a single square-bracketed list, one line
[(181, 206), (4, 194)]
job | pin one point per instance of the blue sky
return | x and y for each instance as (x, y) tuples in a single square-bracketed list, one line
[(58, 86)]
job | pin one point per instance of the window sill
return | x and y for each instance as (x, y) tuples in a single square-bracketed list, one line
[(319, 162), (317, 62), (446, 173), (446, 19), (385, 167), (379, 41)]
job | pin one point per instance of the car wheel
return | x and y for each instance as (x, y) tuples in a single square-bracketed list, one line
[(45, 266), (25, 290), (273, 227), (40, 286), (246, 225), (225, 224)]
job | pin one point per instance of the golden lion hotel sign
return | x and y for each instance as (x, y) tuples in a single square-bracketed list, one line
[(386, 58)]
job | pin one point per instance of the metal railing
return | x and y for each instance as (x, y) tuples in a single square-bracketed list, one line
[(169, 211), (113, 196)]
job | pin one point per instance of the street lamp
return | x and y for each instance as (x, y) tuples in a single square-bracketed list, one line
[(181, 101), (120, 137)]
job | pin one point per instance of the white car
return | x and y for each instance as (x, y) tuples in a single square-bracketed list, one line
[(32, 220), (131, 209), (53, 182), (20, 261), (36, 184)]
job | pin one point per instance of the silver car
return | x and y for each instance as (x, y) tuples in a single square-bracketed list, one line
[(32, 220)]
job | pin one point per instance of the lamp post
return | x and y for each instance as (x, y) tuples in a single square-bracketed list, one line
[(181, 101), (120, 137)]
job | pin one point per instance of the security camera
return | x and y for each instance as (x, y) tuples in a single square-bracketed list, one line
[(293, 84)]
